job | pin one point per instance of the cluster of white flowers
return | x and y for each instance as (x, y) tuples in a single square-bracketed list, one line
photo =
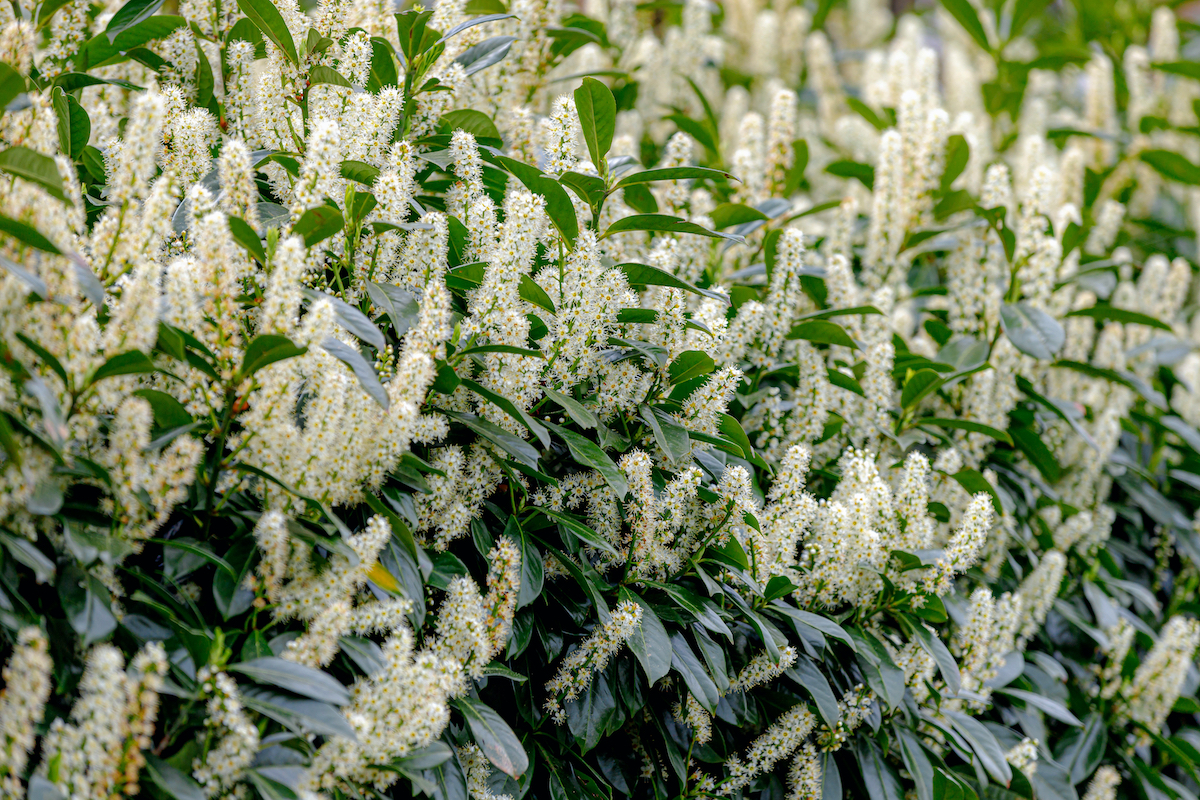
[(592, 655)]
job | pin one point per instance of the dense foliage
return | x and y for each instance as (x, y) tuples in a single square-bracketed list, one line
[(656, 400)]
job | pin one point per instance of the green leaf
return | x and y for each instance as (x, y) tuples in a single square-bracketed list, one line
[(732, 430), (317, 224), (25, 552), (131, 14), (30, 236), (367, 378), (266, 350), (795, 173), (245, 236), (1041, 456), (682, 174), (131, 362), (958, 153), (494, 737), (818, 686), (587, 453), (967, 425), (973, 481), (294, 677), (297, 714), (575, 410), (383, 65), (86, 603), (598, 118), (877, 774), (916, 762), (74, 127), (983, 742), (1080, 751), (670, 435), (964, 12), (822, 331), (589, 188), (646, 275), (1031, 330), (485, 54), (399, 305), (685, 662), (690, 364), (922, 383), (501, 348), (474, 122), (266, 16), (558, 205), (33, 167), (350, 318), (664, 223), (99, 51), (12, 84), (515, 446), (863, 173), (649, 642), (1047, 705), (322, 74), (1122, 315), (1172, 165), (844, 381), (530, 292), (729, 214), (509, 407), (839, 312), (174, 782)]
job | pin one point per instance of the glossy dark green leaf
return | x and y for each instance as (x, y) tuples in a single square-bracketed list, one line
[(646, 275), (1080, 751), (86, 603), (265, 350), (664, 223), (1031, 330), (33, 167), (131, 362), (822, 331), (267, 18), (597, 118), (247, 238), (485, 54), (494, 736), (362, 369), (967, 425), (515, 446), (1172, 165), (1122, 315), (318, 224), (74, 126), (968, 18), (558, 205), (294, 677), (670, 435), (474, 122), (297, 714)]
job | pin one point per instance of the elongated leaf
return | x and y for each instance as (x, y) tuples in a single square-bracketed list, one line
[(1031, 330), (670, 435), (266, 16), (131, 362), (530, 292), (1122, 315), (249, 240), (822, 331), (964, 12), (12, 84), (33, 167), (351, 357), (131, 14), (308, 716), (1081, 751), (588, 454), (558, 205), (294, 677), (74, 127), (351, 319), (174, 782), (664, 223), (485, 54), (575, 410), (476, 123), (597, 118), (1172, 165), (510, 408), (266, 350), (968, 425), (687, 664), (649, 643), (317, 224), (817, 685), (922, 383), (877, 773), (915, 761), (1047, 705), (399, 305), (732, 214), (494, 737), (515, 446), (87, 605), (26, 234), (327, 75), (984, 743), (646, 275)]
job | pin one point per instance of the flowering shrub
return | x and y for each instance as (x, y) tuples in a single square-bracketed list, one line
[(634, 400)]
